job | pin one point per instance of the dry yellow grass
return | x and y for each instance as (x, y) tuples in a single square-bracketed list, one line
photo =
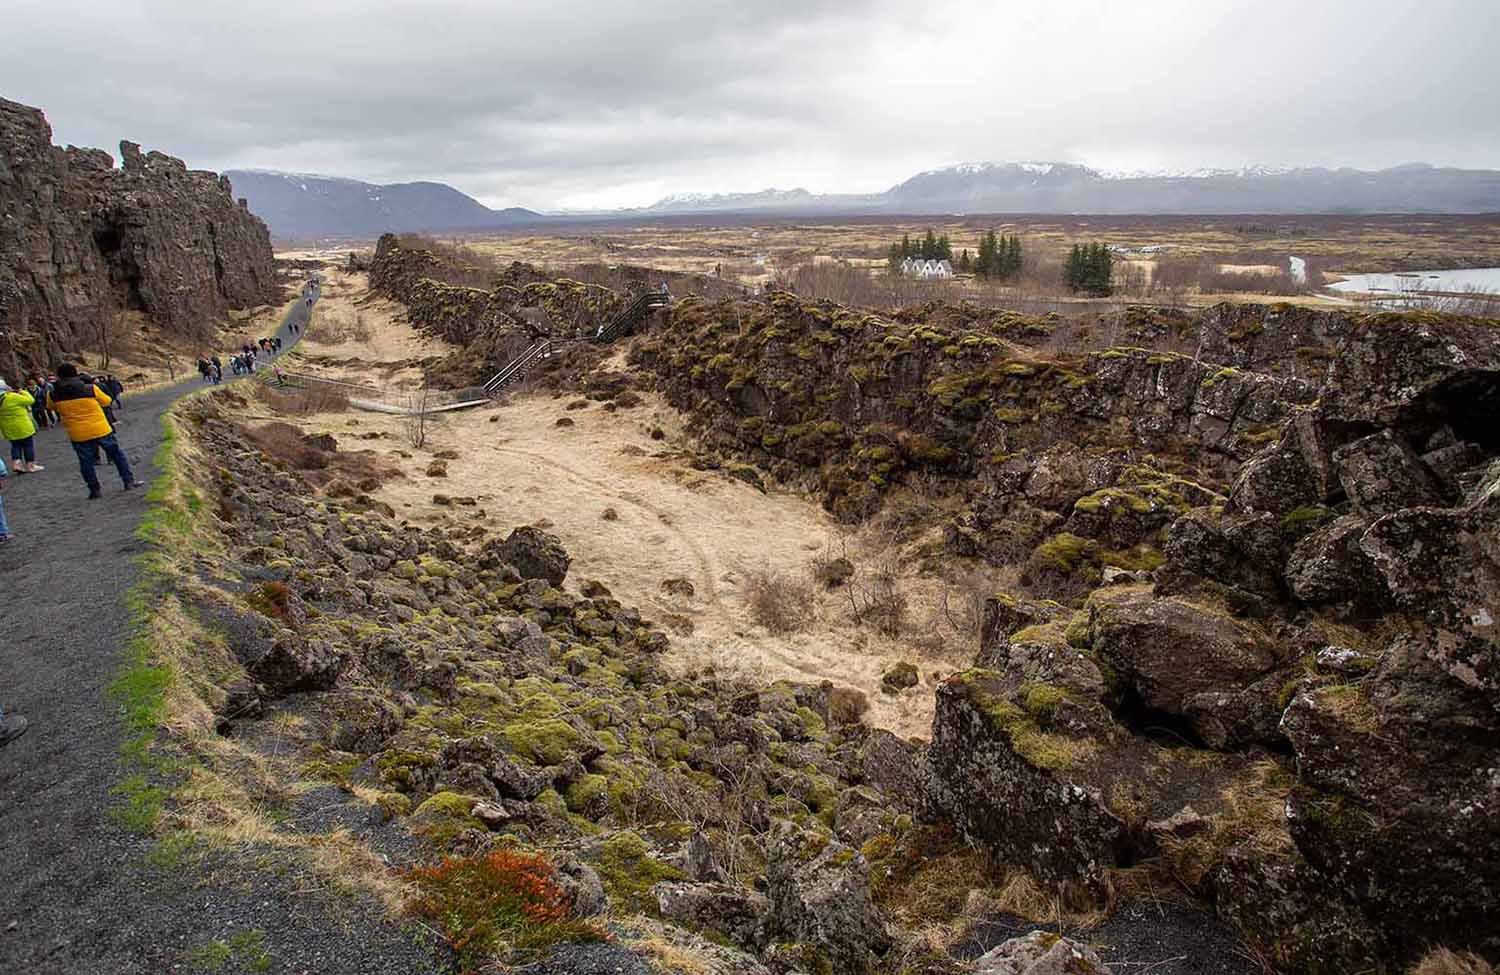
[(1441, 961)]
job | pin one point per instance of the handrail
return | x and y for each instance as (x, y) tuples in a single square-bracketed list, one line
[(514, 369), (644, 303), (543, 348)]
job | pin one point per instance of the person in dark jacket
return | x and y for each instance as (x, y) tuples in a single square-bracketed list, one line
[(81, 405), (12, 726), (115, 389)]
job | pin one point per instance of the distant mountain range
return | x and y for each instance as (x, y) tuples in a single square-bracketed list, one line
[(297, 206), (302, 207), (1033, 187)]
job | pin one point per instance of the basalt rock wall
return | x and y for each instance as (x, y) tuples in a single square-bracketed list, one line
[(491, 325), (81, 239)]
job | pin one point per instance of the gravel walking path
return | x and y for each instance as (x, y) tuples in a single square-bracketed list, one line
[(79, 895)]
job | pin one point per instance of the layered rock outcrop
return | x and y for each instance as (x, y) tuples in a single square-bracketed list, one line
[(491, 325), (1343, 808), (81, 239)]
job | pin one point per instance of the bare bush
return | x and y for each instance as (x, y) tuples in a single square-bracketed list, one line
[(961, 605), (875, 596), (847, 705), (779, 601), (415, 422)]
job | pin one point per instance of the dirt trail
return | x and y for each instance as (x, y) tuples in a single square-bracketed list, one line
[(364, 338), (668, 522), (82, 895)]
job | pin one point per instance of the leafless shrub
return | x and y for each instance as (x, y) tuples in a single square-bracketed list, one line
[(847, 705), (415, 421), (961, 605), (779, 601), (875, 596)]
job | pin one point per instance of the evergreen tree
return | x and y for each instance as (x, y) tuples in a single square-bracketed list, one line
[(1103, 267), (906, 250), (893, 258), (987, 267), (929, 246), (944, 248), (1013, 257), (1073, 269), (964, 263)]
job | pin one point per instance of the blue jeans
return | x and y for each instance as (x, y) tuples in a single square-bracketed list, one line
[(87, 450), (4, 528)]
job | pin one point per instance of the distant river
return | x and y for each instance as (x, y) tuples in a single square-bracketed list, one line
[(1453, 282)]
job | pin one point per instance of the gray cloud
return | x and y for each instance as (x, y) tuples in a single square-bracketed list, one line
[(575, 103)]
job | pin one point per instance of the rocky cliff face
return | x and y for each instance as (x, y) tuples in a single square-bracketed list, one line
[(492, 325), (1320, 648), (80, 239)]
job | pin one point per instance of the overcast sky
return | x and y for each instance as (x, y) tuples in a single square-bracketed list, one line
[(572, 104)]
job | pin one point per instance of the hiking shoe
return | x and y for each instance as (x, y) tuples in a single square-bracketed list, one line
[(36, 467), (6, 538), (131, 486), (12, 726), (95, 495)]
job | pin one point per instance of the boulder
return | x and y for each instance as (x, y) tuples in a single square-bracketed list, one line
[(1201, 542), (891, 765), (581, 884), (1005, 781), (1381, 474), (1276, 480), (1444, 566), (899, 677), (1398, 809), (1040, 953), (533, 553), (820, 895), (299, 663), (1329, 566), (1004, 614), (1169, 650), (729, 910)]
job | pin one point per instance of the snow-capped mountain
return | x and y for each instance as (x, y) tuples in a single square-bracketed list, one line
[(732, 201), (1057, 187)]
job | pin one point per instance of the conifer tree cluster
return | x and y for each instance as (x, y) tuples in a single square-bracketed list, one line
[(999, 256), (929, 248), (1088, 269)]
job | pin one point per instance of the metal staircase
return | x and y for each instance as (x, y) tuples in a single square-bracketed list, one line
[(626, 321), (515, 370), (622, 324)]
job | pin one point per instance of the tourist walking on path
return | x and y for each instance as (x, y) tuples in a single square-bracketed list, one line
[(81, 405), (4, 525), (38, 389), (12, 726), (19, 427), (114, 389)]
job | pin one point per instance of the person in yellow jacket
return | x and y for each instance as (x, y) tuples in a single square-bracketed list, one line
[(81, 405), (17, 426)]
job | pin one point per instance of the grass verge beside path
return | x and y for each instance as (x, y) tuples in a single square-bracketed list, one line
[(199, 793)]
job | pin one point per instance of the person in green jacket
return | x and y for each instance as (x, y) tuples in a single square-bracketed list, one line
[(17, 426)]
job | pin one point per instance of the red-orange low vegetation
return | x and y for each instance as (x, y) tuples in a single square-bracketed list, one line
[(503, 904)]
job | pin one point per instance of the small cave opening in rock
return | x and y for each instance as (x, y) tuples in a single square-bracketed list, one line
[(1468, 404), (1164, 727), (109, 240)]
